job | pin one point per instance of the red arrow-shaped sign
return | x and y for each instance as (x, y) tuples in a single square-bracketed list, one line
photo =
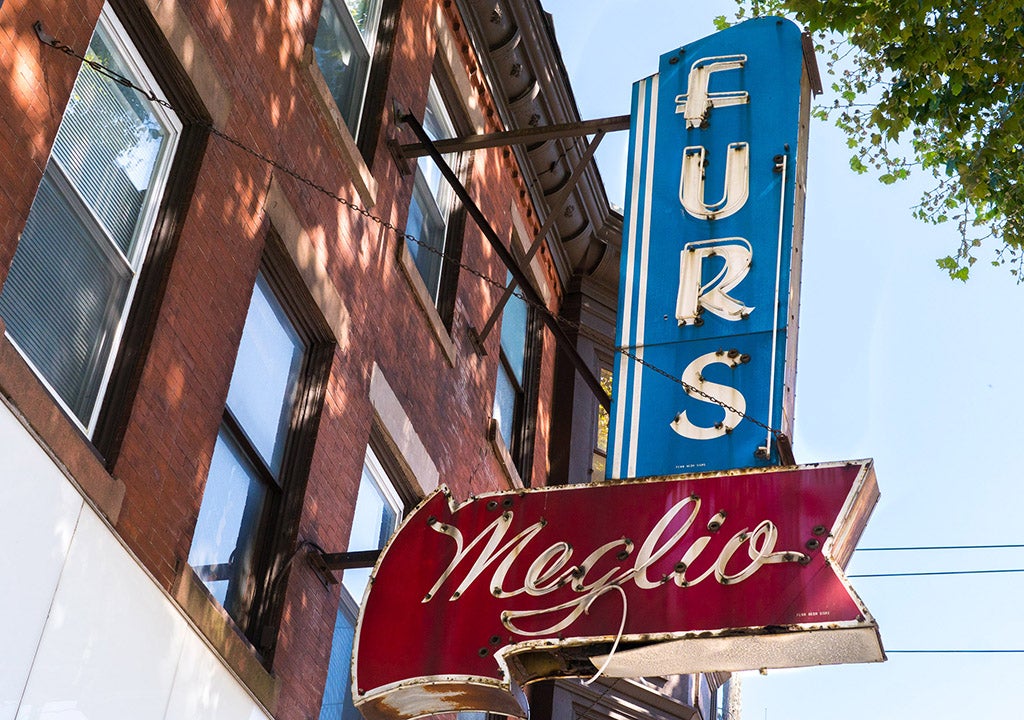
[(699, 573)]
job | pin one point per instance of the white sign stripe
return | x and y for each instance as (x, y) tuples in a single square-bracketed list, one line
[(624, 362), (641, 310)]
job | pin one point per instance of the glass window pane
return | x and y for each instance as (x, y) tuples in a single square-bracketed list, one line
[(602, 414), (223, 546), (374, 519), (438, 125), (513, 335), (432, 197), (365, 14), (337, 704), (74, 270), (266, 371), (108, 144), (343, 56), (428, 226), (63, 315), (505, 394)]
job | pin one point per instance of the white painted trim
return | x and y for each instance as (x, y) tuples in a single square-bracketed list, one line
[(94, 534), (627, 301), (634, 442)]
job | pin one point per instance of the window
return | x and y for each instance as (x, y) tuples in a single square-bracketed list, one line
[(253, 470), (722, 700), (513, 394), (432, 205), (346, 37), (377, 512), (77, 265), (599, 462)]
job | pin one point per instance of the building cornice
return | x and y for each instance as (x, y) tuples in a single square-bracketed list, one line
[(522, 63)]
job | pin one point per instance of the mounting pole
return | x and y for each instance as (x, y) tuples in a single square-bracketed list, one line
[(532, 296), (549, 221)]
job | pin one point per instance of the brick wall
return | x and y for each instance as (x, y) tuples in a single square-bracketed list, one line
[(255, 56)]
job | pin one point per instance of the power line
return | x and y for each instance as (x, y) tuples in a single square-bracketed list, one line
[(98, 67), (939, 547), (941, 572), (952, 652)]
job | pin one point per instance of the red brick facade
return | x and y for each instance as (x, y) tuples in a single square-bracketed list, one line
[(248, 66), (261, 156)]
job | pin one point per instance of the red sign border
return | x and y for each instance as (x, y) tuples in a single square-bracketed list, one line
[(428, 695)]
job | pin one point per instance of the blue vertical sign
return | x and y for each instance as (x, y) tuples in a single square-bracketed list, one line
[(710, 257)]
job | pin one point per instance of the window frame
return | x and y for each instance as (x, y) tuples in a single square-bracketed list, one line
[(445, 286), (349, 606), (106, 357), (276, 531), (524, 413), (356, 102), (370, 108)]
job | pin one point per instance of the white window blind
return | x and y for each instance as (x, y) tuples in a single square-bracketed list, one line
[(75, 269)]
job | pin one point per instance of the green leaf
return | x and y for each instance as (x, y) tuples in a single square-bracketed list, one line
[(947, 77)]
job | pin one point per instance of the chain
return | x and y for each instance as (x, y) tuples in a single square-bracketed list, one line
[(384, 223), (691, 390), (262, 157)]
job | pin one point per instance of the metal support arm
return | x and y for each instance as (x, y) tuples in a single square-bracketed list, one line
[(549, 221), (523, 136), (531, 295), (325, 563)]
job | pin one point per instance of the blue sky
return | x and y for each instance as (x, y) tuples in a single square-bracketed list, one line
[(897, 363)]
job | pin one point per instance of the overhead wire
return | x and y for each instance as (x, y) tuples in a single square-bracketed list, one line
[(938, 547), (447, 257), (401, 233), (937, 572), (943, 548)]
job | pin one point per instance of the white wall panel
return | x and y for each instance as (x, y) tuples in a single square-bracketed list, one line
[(88, 634), (112, 642), (205, 690), (39, 509)]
